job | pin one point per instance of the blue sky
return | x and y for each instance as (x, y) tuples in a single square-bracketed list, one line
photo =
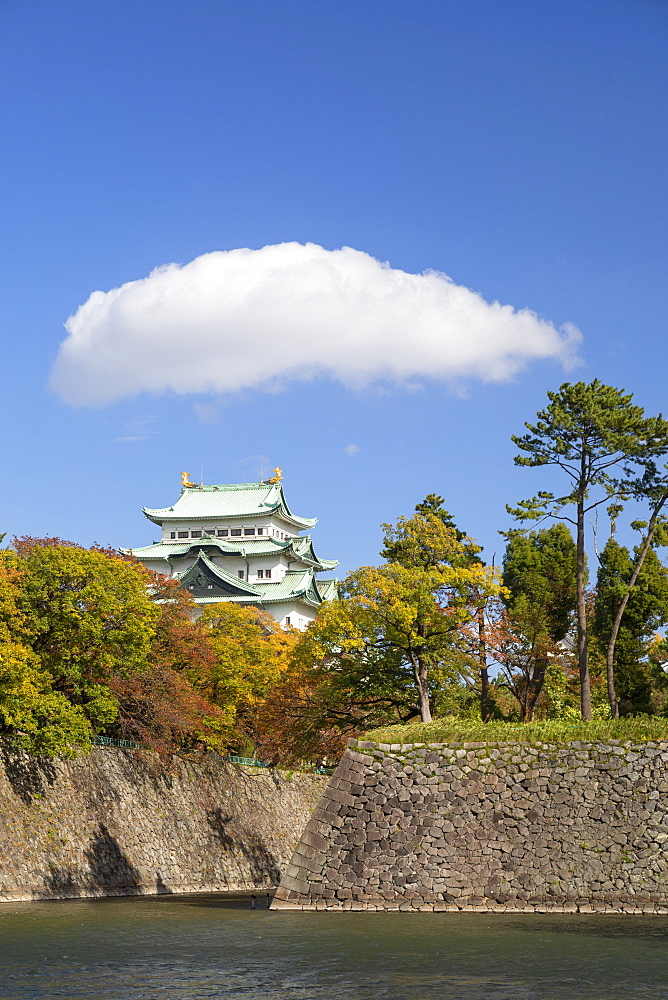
[(518, 147)]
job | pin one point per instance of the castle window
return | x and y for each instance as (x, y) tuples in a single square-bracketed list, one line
[(172, 534), (260, 531), (195, 534), (249, 531), (223, 532), (183, 534), (260, 574), (209, 586), (235, 531), (267, 574), (287, 621), (240, 574)]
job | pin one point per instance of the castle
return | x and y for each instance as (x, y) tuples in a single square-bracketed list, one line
[(240, 543)]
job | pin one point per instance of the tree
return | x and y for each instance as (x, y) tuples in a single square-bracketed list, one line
[(88, 616), (539, 577), (32, 715), (537, 610), (356, 679), (251, 654), (412, 543), (652, 488), (645, 609), (161, 709), (305, 719), (403, 618), (421, 542), (522, 646), (178, 642), (159, 706), (603, 443)]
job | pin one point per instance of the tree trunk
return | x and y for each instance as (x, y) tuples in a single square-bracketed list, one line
[(420, 672), (535, 686), (485, 709), (610, 652), (583, 663)]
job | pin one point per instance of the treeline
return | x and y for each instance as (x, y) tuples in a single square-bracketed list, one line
[(92, 643)]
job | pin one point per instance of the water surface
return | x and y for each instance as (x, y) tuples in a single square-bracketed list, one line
[(196, 947)]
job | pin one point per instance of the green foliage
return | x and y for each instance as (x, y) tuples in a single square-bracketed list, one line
[(32, 716), (394, 631), (364, 675), (645, 612), (539, 578), (429, 539), (594, 434), (452, 730), (606, 448), (88, 616)]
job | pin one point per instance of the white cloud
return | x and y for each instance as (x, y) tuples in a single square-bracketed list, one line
[(243, 318), (138, 430), (352, 449), (207, 413)]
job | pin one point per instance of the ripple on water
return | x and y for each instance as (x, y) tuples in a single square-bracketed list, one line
[(197, 947)]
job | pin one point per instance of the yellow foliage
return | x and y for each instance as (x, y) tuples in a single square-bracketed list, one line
[(32, 715), (252, 653)]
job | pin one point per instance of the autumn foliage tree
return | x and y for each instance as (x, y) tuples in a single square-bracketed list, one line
[(159, 706), (391, 633), (33, 716), (304, 718), (251, 653), (88, 617)]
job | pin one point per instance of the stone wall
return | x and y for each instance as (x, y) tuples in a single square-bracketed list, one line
[(126, 822), (488, 827)]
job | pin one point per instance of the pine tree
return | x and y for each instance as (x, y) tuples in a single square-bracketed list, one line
[(605, 445)]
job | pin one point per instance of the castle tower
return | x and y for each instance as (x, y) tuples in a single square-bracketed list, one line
[(240, 543)]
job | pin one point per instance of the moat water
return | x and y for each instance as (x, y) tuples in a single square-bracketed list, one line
[(197, 947)]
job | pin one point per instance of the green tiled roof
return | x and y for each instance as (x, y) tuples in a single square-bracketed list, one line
[(303, 549), (239, 500), (297, 584), (216, 574), (327, 589), (300, 547)]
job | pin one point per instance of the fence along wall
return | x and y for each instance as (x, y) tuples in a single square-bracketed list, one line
[(488, 827), (125, 822)]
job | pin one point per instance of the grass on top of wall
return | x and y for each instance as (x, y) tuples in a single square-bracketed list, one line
[(452, 730)]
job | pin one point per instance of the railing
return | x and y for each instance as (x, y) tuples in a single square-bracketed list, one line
[(248, 761), (110, 741)]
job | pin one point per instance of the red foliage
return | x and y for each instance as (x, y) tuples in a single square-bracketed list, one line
[(293, 726), (25, 544), (160, 708), (179, 644)]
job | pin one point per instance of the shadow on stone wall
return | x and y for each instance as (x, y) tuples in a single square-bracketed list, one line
[(108, 864), (29, 776), (263, 863), (160, 887), (108, 868)]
